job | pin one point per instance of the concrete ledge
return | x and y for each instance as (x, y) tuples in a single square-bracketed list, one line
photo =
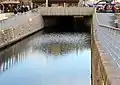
[(66, 11), (15, 33)]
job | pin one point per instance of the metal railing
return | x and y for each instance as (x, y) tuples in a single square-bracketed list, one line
[(109, 38)]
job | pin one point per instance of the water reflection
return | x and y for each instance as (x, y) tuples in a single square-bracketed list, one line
[(59, 44), (9, 58), (58, 60)]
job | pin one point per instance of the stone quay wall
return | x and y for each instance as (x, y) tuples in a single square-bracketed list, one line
[(99, 75), (98, 66), (15, 33)]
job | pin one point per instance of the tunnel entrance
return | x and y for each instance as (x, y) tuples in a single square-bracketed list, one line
[(59, 24)]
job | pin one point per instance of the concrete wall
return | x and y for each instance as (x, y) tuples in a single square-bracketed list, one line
[(100, 75), (10, 35), (66, 11), (49, 21)]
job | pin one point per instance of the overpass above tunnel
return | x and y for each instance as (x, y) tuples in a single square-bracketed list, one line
[(66, 11), (80, 17)]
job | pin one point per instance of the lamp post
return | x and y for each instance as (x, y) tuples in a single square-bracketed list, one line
[(46, 3), (80, 3)]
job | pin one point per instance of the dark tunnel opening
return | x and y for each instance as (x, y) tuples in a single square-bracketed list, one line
[(59, 24)]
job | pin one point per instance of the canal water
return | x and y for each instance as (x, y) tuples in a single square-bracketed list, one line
[(47, 59)]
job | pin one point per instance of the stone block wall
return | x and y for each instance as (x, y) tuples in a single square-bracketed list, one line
[(100, 75), (15, 33)]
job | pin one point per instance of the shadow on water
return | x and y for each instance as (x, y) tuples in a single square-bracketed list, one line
[(48, 59)]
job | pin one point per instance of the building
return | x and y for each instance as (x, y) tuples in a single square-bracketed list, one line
[(9, 5), (57, 2)]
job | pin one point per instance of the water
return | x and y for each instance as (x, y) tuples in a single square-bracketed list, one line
[(42, 59)]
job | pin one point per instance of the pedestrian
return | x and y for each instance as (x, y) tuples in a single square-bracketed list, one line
[(105, 7), (22, 9), (113, 10), (116, 23), (28, 7), (15, 11)]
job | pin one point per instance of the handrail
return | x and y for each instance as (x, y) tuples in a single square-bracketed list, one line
[(103, 25)]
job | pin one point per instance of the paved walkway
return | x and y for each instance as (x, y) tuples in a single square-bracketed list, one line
[(109, 42), (16, 20), (5, 15), (106, 18)]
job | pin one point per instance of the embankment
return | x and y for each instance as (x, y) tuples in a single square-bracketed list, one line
[(17, 32)]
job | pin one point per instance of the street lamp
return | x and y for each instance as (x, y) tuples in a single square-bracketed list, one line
[(46, 3), (80, 3)]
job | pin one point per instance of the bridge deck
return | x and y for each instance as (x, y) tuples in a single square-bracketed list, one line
[(109, 41), (66, 11)]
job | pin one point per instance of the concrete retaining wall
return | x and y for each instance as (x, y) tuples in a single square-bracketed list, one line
[(66, 11), (10, 35), (100, 75)]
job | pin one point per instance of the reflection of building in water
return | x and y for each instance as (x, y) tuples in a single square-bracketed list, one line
[(61, 48), (12, 55), (7, 62), (55, 49)]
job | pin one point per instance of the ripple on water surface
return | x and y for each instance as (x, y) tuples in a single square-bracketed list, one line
[(54, 59)]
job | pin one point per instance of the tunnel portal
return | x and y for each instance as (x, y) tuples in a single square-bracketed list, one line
[(67, 24)]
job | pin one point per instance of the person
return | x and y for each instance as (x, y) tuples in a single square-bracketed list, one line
[(15, 11), (113, 10), (116, 23), (105, 8), (22, 9), (28, 7)]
